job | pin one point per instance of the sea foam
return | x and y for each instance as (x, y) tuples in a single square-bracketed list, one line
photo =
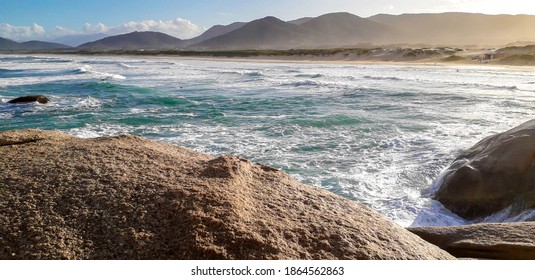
[(377, 134)]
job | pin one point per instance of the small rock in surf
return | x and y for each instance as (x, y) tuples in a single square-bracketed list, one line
[(31, 98)]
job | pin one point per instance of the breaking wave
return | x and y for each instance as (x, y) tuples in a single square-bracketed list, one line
[(376, 134)]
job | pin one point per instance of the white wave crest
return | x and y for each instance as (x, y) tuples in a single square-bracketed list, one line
[(92, 131), (88, 70), (126, 66)]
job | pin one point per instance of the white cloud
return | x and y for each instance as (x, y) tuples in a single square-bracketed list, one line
[(95, 29), (37, 29), (21, 33), (62, 31), (180, 28)]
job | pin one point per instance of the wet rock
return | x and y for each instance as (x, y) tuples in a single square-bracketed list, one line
[(30, 98), (496, 173)]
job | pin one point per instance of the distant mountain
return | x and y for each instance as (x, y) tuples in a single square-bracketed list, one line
[(135, 41), (345, 29), (265, 33), (330, 30), (460, 28), (300, 20), (527, 49), (6, 44), (76, 40), (326, 31), (215, 31), (40, 45)]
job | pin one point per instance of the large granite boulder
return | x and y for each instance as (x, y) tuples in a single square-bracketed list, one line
[(127, 197), (504, 241), (495, 174)]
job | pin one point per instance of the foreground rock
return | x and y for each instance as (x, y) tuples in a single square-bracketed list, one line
[(496, 173), (131, 198), (511, 241)]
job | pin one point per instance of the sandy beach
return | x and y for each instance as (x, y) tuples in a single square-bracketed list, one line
[(384, 58)]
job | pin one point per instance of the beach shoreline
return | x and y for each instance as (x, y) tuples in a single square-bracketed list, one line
[(335, 61), (443, 56), (468, 57), (281, 59)]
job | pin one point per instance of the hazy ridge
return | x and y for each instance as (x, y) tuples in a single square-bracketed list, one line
[(461, 28), (134, 41), (6, 44), (215, 31)]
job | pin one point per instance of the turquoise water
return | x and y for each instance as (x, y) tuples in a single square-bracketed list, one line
[(378, 134)]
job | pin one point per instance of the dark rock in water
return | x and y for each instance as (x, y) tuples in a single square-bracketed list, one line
[(496, 173), (128, 197), (504, 241), (30, 98)]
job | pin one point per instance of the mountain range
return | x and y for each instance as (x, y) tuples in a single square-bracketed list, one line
[(134, 41), (461, 28), (326, 31), (6, 44)]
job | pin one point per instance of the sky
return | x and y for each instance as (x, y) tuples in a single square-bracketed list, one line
[(24, 20)]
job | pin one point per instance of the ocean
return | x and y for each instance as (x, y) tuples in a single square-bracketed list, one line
[(377, 134)]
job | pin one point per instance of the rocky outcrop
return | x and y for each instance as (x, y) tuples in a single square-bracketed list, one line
[(127, 197), (30, 98), (504, 241), (496, 173)]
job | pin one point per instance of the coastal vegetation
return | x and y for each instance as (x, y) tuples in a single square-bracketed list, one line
[(329, 37), (454, 58), (518, 59), (237, 53), (334, 36), (520, 56)]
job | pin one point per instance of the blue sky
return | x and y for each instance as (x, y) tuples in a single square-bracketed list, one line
[(47, 19)]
